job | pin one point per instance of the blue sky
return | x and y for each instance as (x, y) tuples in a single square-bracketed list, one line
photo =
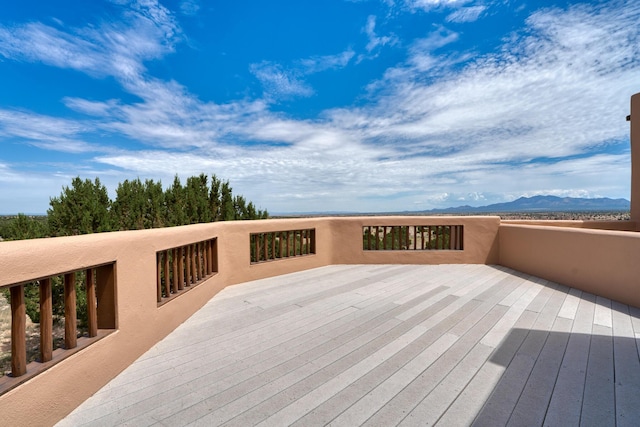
[(332, 105)]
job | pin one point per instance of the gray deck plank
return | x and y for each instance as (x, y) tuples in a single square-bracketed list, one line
[(627, 367), (598, 404), (387, 345), (566, 401)]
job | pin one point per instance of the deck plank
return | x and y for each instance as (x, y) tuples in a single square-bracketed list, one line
[(374, 345)]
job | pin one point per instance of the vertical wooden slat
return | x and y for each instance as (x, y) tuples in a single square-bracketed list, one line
[(70, 320), (194, 269), (265, 246), (159, 275), (210, 246), (46, 320), (187, 263), (180, 268), (167, 274), (106, 297), (18, 332), (199, 260), (313, 241), (281, 241), (377, 237), (422, 237), (461, 238), (205, 257), (453, 236), (407, 240), (174, 267), (273, 245), (288, 246), (254, 242), (429, 237), (92, 313)]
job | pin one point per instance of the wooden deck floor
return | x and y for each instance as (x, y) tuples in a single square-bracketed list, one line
[(387, 345)]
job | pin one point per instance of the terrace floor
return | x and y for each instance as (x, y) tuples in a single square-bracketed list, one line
[(386, 345)]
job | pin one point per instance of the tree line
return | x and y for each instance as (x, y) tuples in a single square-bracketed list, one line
[(85, 207)]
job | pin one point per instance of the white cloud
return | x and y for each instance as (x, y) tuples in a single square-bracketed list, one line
[(466, 14), (431, 4), (374, 40), (278, 82), (317, 64), (112, 49), (190, 7), (536, 116)]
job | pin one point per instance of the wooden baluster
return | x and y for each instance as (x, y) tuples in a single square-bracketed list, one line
[(70, 320), (273, 245), (174, 265), (199, 260), (180, 268), (159, 275), (288, 248), (46, 321), (167, 274), (187, 262), (194, 268), (265, 246), (207, 257), (18, 332), (92, 312)]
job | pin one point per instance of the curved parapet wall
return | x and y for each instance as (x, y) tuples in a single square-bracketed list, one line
[(141, 321)]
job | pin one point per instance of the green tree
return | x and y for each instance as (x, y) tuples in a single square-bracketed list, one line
[(197, 204), (174, 198), (129, 207), (25, 227), (80, 209)]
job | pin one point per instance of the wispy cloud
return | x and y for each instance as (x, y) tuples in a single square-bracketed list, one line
[(376, 41), (317, 64), (280, 83), (119, 49), (190, 7), (441, 127), (466, 14), (431, 4)]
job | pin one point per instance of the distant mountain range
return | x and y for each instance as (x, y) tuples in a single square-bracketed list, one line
[(545, 204)]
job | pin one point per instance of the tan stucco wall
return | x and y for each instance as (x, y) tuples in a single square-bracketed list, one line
[(602, 262), (635, 159), (48, 397), (480, 241), (596, 225)]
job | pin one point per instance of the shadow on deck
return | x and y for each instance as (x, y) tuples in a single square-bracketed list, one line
[(387, 345)]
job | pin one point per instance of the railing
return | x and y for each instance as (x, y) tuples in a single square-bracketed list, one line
[(181, 268), (413, 237), (273, 245), (96, 286)]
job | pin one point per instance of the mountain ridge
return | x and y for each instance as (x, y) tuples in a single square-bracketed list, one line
[(544, 204)]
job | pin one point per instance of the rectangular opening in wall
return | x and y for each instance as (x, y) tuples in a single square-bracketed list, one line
[(276, 245), (53, 317), (182, 268), (413, 237)]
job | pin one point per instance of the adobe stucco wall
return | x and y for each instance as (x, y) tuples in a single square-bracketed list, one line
[(50, 396), (635, 160), (602, 262)]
